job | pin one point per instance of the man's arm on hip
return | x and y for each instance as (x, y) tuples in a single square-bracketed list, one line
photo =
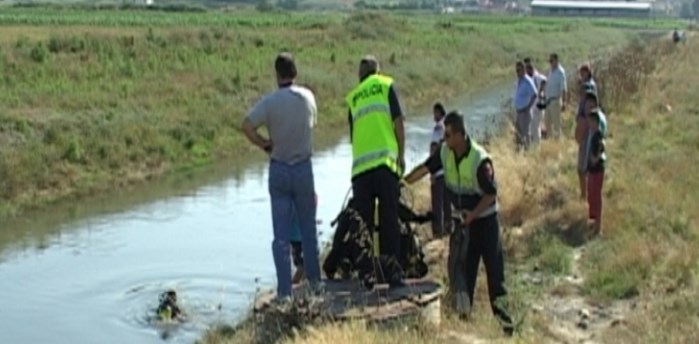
[(254, 119), (253, 136)]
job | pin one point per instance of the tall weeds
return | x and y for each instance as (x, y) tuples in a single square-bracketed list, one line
[(136, 94)]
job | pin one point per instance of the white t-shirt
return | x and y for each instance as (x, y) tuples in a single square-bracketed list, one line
[(538, 80), (437, 137), (438, 132), (556, 83)]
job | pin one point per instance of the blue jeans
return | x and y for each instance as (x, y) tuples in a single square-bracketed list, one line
[(293, 185)]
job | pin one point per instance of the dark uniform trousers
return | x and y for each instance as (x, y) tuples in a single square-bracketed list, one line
[(484, 241), (380, 183), (441, 208)]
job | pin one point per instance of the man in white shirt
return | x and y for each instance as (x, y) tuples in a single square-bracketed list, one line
[(537, 113), (524, 99), (441, 206), (556, 89)]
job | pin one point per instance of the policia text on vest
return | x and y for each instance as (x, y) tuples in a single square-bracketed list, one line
[(374, 141), (371, 90)]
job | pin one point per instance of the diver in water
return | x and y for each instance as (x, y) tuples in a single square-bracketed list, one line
[(168, 309)]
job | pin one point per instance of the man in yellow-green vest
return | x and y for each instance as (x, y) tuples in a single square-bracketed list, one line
[(378, 138), (470, 181)]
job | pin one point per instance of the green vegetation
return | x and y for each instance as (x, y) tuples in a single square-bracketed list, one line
[(93, 99), (552, 256), (101, 15)]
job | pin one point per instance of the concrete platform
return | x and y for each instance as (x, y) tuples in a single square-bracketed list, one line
[(347, 299)]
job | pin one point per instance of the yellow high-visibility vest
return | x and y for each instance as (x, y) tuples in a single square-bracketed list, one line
[(462, 178), (374, 141)]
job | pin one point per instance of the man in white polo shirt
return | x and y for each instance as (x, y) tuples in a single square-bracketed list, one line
[(289, 113), (537, 113), (556, 89)]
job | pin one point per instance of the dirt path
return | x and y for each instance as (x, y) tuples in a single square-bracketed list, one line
[(574, 319)]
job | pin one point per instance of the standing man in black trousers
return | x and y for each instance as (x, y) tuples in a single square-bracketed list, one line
[(378, 141), (470, 178)]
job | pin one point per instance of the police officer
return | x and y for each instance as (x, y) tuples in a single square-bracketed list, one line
[(377, 134), (470, 179)]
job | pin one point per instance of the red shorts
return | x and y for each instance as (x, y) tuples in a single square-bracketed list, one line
[(594, 193)]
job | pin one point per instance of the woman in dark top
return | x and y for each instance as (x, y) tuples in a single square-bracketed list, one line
[(595, 169)]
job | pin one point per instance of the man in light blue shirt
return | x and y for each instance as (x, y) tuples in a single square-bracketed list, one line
[(525, 96)]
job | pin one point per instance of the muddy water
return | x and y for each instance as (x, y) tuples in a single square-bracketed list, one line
[(91, 271)]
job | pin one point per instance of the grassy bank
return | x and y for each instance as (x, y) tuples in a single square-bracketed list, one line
[(91, 100), (643, 273)]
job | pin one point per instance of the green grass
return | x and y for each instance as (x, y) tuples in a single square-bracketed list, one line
[(152, 18), (93, 99), (615, 279), (110, 15), (550, 254)]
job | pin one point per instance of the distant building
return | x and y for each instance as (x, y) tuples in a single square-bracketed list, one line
[(591, 8), (453, 6)]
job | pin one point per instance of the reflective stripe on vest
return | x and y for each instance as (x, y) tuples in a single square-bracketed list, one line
[(462, 179), (377, 155), (374, 141), (378, 107)]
